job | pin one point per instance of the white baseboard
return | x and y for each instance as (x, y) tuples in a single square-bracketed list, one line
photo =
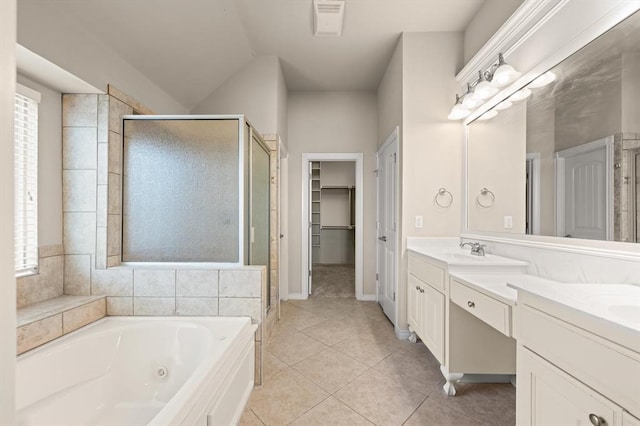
[(367, 297), (401, 334), (296, 296)]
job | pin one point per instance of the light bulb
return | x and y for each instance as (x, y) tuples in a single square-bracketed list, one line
[(483, 89), (468, 101), (503, 105), (504, 74), (520, 95), (542, 80), (488, 115)]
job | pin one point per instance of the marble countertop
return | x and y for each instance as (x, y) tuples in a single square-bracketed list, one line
[(616, 303), (447, 250)]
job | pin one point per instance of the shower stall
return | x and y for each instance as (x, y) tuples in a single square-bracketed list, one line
[(195, 189)]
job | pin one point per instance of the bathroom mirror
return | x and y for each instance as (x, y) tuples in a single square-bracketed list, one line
[(564, 161)]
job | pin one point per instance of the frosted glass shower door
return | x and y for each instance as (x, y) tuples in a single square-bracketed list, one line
[(181, 190), (259, 206)]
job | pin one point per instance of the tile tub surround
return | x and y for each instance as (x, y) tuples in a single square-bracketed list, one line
[(47, 283), (363, 377), (45, 321)]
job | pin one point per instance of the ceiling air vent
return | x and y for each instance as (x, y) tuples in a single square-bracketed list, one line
[(328, 16)]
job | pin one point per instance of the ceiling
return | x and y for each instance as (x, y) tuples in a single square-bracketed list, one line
[(190, 51)]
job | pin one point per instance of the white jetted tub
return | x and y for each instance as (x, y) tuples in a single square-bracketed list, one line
[(140, 371)]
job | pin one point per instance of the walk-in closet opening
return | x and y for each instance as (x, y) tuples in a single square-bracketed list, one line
[(332, 225), (332, 258)]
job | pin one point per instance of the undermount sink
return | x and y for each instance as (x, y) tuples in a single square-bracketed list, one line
[(464, 257)]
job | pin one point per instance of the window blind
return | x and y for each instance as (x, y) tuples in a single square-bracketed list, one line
[(26, 180)]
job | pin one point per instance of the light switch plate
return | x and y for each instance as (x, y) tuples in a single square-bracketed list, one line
[(419, 222), (508, 222)]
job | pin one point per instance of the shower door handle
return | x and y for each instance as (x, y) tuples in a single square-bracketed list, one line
[(383, 238)]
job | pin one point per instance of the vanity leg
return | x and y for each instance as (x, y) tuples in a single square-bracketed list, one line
[(449, 388)]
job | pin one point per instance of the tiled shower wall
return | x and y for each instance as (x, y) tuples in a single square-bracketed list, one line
[(92, 152), (625, 145), (273, 316)]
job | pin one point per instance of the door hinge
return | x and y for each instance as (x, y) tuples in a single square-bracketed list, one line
[(377, 277), (394, 296), (309, 272), (395, 157)]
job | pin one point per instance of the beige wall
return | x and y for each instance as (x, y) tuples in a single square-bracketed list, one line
[(431, 144), (390, 96), (49, 163), (331, 122), (256, 91), (283, 94), (630, 93), (496, 160), (491, 15), (54, 36)]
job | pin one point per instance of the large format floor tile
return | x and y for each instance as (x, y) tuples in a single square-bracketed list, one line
[(285, 397), (330, 369), (337, 361)]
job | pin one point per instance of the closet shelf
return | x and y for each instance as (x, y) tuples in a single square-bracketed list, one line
[(338, 187), (328, 227)]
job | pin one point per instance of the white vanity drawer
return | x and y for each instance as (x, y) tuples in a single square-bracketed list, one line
[(427, 272), (613, 370), (489, 310)]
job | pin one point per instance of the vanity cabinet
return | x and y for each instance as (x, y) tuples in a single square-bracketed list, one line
[(568, 375), (426, 304)]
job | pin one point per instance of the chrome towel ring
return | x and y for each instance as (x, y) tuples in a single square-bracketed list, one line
[(443, 198), (486, 198)]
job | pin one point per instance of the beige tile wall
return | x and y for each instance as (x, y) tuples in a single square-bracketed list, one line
[(93, 228), (272, 142), (47, 283)]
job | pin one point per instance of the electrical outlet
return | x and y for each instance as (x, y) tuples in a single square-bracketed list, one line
[(508, 222), (419, 222)]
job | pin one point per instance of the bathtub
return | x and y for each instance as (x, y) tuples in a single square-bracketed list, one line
[(140, 371)]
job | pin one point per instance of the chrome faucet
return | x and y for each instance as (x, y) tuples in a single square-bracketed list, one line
[(477, 249)]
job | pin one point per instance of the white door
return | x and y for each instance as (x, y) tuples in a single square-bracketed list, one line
[(387, 222), (585, 195)]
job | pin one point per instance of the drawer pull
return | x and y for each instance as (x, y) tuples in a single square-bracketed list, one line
[(418, 287), (596, 420), (422, 290), (471, 304)]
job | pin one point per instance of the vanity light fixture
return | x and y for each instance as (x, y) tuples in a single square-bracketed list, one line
[(467, 99), (504, 73), (520, 95), (483, 89), (458, 111), (488, 115), (542, 80), (485, 86)]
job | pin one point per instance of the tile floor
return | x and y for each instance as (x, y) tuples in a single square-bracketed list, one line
[(334, 281), (336, 361)]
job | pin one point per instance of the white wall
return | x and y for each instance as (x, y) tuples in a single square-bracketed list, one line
[(431, 155), (54, 36), (390, 96), (332, 122), (7, 277), (257, 91), (49, 163), (491, 15)]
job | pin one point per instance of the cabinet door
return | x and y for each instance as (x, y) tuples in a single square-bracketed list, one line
[(432, 318), (413, 298), (629, 420), (549, 396)]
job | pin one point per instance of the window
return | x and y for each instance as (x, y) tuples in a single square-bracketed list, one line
[(26, 180)]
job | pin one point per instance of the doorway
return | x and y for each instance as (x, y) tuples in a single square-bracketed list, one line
[(332, 225)]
